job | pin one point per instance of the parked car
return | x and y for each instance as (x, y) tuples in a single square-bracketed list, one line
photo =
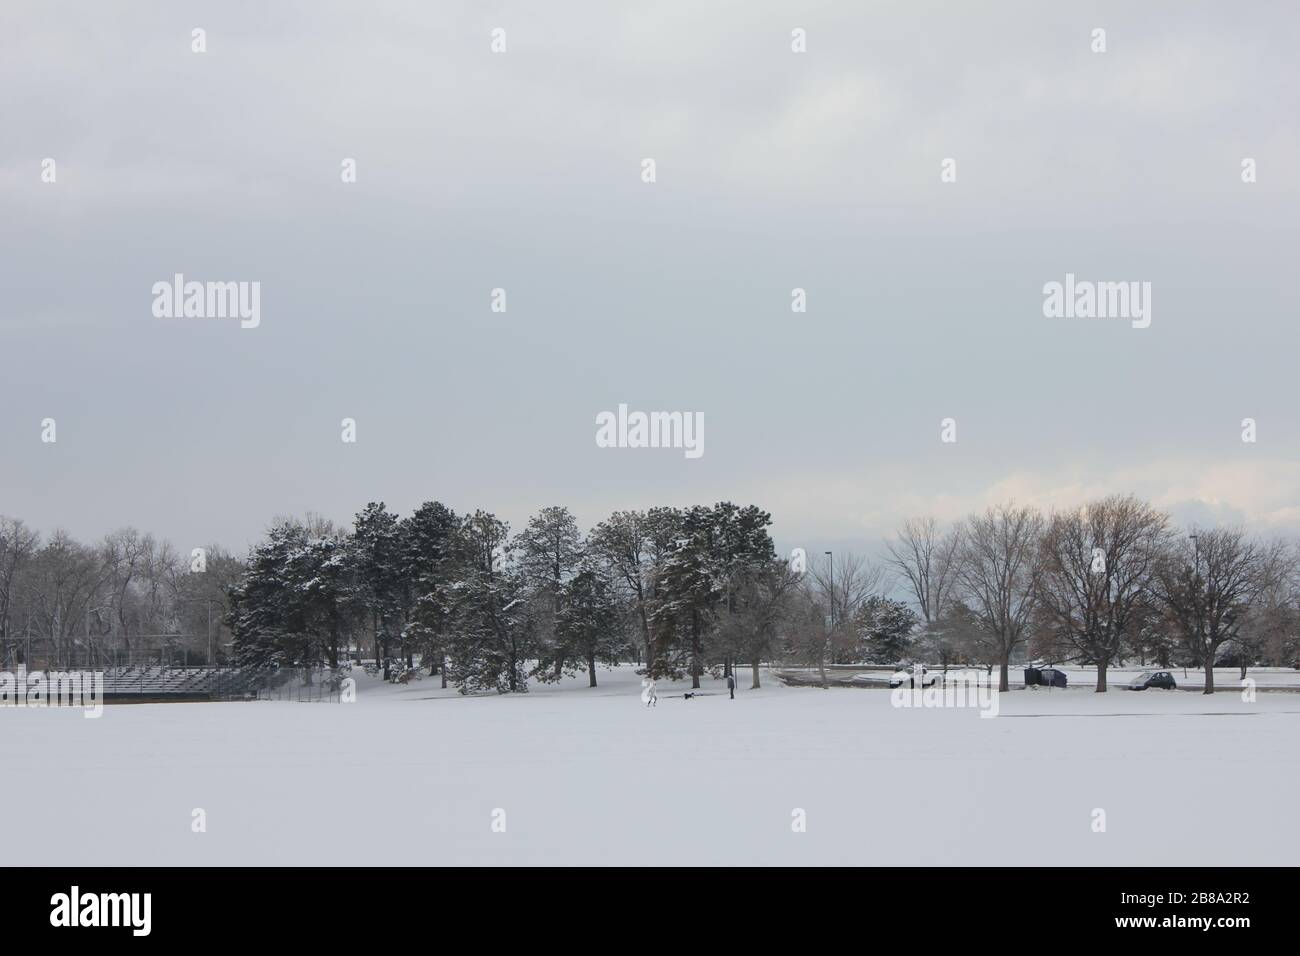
[(1161, 679), (904, 677), (1044, 677)]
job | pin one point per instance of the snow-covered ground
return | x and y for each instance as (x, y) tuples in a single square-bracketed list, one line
[(1085, 678), (413, 774)]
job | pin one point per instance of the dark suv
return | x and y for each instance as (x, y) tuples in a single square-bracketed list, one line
[(1161, 679)]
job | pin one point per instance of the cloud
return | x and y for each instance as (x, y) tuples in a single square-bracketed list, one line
[(521, 171), (868, 505)]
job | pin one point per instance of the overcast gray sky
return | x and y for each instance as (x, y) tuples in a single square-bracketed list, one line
[(521, 170)]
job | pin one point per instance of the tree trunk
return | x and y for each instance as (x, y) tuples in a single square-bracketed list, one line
[(443, 670), (1004, 667), (591, 671), (1101, 676), (1209, 671), (645, 633), (755, 687), (697, 651), (514, 666), (555, 617)]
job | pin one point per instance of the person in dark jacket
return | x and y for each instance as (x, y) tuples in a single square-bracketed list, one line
[(731, 685)]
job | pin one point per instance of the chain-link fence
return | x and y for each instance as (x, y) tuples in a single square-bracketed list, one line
[(303, 684)]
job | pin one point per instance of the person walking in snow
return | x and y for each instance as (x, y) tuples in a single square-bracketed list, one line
[(648, 694), (731, 685)]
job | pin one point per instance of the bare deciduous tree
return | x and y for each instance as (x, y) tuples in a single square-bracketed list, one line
[(763, 598), (17, 545), (842, 584), (1207, 584), (925, 558), (64, 579), (999, 577), (1098, 566)]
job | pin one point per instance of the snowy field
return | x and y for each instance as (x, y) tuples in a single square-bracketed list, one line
[(412, 775), (1085, 678), (1229, 678)]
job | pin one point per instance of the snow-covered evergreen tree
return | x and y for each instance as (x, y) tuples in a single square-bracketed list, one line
[(377, 561), (490, 632), (549, 551), (430, 560), (266, 616), (884, 628), (716, 548), (588, 625)]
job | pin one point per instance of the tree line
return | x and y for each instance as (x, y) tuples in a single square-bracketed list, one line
[(129, 596), (681, 592), (1105, 583), (488, 609)]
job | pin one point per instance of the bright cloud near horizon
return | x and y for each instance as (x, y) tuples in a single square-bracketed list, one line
[(521, 170)]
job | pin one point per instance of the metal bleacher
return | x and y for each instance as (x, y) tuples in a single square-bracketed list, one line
[(159, 682)]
